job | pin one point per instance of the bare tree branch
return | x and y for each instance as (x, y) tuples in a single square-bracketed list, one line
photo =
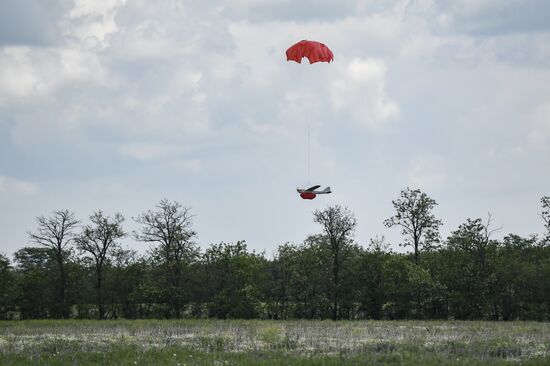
[(56, 233)]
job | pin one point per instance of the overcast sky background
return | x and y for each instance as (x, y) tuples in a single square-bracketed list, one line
[(116, 104)]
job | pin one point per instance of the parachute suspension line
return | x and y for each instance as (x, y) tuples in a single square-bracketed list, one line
[(308, 150)]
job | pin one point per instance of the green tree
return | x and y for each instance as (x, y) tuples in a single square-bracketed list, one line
[(6, 286), (371, 278), (545, 215), (516, 278), (82, 285), (414, 215), (409, 289), (35, 286), (471, 270), (234, 281), (435, 304), (170, 226), (99, 241), (348, 307), (278, 290), (56, 233), (309, 291), (126, 272), (338, 224)]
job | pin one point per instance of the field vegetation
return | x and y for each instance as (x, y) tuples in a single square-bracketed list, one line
[(255, 342), (430, 306)]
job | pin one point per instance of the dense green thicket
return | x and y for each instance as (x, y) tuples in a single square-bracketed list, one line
[(469, 275)]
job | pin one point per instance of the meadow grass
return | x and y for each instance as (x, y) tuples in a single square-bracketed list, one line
[(256, 342)]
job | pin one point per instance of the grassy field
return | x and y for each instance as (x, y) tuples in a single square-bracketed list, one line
[(235, 342)]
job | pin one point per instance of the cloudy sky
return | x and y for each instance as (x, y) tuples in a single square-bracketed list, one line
[(116, 104)]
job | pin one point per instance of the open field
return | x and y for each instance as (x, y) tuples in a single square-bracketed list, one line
[(236, 342)]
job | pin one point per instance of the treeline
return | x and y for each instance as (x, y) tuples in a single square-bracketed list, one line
[(80, 270)]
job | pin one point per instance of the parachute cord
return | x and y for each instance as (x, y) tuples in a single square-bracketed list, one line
[(308, 150)]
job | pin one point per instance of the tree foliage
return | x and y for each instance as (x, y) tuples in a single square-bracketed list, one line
[(57, 233), (545, 215), (470, 275), (233, 282), (338, 225), (99, 240), (418, 224), (170, 227), (6, 286)]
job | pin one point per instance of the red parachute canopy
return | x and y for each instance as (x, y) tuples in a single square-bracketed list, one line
[(308, 195), (314, 51)]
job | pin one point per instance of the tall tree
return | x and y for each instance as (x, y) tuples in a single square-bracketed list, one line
[(6, 286), (36, 272), (545, 215), (370, 276), (124, 275), (170, 226), (414, 215), (279, 289), (99, 240), (56, 233), (338, 225), (309, 279), (235, 279), (471, 261)]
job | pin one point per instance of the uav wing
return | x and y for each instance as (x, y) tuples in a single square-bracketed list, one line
[(311, 189)]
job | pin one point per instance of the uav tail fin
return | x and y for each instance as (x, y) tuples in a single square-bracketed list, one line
[(326, 190)]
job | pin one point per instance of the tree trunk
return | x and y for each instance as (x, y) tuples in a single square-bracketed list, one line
[(100, 308), (63, 286), (176, 281), (335, 272), (416, 244)]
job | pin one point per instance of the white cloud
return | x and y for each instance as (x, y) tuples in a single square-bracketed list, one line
[(540, 127), (360, 91), (427, 173), (42, 71), (11, 186), (482, 18), (83, 8), (33, 72), (146, 89), (91, 22), (16, 74), (150, 152), (186, 165), (30, 22), (475, 7)]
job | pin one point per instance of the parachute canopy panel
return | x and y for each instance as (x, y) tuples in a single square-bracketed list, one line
[(314, 51)]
